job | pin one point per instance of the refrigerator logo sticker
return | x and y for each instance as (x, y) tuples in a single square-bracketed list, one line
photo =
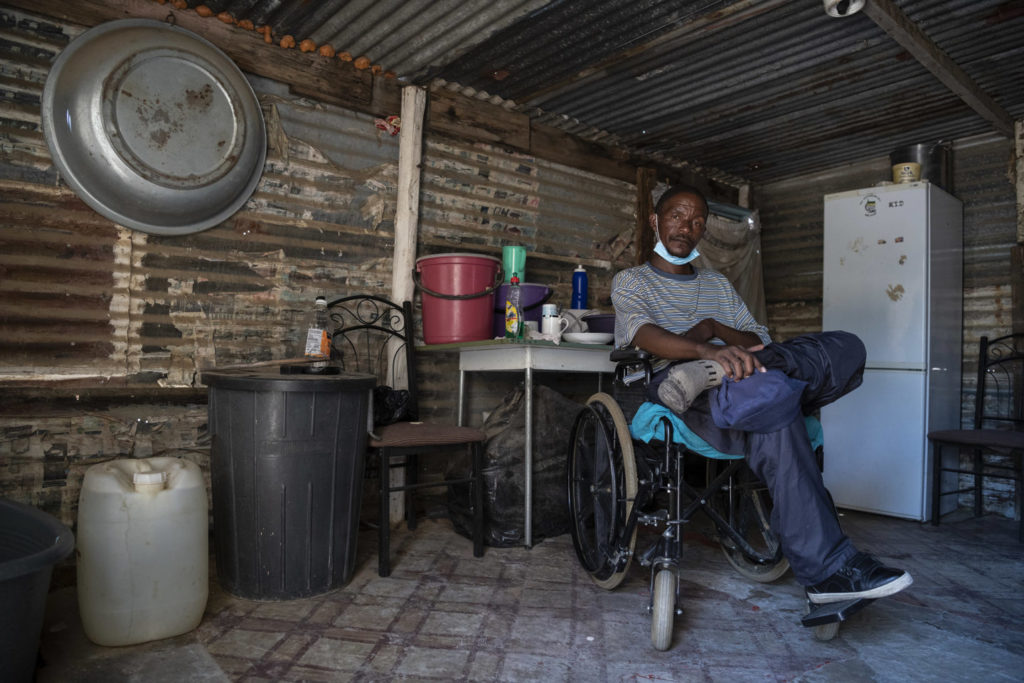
[(895, 292), (870, 204)]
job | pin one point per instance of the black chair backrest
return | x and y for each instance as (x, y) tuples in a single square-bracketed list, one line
[(375, 336), (998, 402)]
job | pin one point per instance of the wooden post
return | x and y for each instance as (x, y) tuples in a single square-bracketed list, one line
[(1018, 181), (643, 242), (743, 198), (1017, 251), (407, 212)]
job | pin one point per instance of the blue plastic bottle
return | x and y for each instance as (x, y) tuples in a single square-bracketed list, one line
[(579, 288)]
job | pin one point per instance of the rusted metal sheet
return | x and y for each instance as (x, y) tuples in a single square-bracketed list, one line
[(986, 188), (85, 298), (87, 306), (44, 456), (477, 198)]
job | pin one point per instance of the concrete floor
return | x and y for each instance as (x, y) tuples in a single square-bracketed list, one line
[(534, 615)]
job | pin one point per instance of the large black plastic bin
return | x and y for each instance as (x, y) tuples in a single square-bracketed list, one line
[(286, 468)]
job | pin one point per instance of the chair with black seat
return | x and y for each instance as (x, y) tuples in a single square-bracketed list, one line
[(995, 444), (375, 336)]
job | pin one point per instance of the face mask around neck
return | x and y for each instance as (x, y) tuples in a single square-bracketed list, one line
[(661, 251)]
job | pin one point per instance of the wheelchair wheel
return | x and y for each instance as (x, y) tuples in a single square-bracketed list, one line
[(663, 609), (602, 485), (749, 509), (824, 632)]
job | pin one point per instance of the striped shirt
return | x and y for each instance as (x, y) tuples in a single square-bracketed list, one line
[(644, 294)]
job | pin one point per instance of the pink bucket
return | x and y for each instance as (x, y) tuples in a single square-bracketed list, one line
[(458, 296)]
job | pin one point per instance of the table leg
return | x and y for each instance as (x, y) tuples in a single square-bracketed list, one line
[(462, 396), (528, 457)]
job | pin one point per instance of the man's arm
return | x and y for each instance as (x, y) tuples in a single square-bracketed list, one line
[(709, 328), (735, 358)]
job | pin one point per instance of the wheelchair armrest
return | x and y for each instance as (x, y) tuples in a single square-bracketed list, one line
[(629, 355), (631, 365)]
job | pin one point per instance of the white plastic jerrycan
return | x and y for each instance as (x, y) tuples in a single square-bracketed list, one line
[(143, 554)]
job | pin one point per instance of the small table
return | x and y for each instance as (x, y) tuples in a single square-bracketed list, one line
[(497, 355)]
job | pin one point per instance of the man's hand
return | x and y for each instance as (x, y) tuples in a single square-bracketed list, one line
[(737, 361), (735, 356)]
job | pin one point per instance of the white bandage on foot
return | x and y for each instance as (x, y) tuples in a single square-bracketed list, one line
[(686, 381)]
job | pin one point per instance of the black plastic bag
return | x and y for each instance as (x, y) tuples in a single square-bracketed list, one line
[(390, 405), (504, 473)]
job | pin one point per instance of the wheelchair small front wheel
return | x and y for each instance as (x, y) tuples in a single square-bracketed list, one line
[(602, 485), (663, 608)]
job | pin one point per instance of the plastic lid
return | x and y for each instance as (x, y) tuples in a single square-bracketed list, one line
[(514, 279), (579, 268)]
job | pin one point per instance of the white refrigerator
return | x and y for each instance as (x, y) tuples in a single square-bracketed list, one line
[(893, 276)]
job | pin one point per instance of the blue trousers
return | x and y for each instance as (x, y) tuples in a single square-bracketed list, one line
[(762, 417)]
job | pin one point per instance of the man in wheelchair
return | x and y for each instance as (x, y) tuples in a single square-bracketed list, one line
[(704, 338)]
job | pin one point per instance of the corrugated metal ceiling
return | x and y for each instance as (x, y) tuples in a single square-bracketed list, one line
[(753, 90)]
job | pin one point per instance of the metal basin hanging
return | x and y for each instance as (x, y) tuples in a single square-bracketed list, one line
[(153, 127)]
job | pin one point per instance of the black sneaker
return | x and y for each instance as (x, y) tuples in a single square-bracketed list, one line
[(861, 577)]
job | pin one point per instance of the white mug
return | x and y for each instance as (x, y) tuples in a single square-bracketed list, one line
[(549, 310), (553, 326)]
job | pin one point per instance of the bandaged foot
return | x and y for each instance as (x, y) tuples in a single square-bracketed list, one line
[(686, 381)]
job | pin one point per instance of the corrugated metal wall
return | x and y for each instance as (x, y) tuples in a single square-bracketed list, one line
[(132, 319), (983, 177), (136, 317), (87, 298), (129, 317), (478, 198), (791, 214)]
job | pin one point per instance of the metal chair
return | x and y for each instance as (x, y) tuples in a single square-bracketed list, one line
[(995, 444), (375, 336)]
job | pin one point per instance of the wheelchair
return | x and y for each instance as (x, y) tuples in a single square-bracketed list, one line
[(617, 484)]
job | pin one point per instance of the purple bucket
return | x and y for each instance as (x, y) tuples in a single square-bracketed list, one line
[(531, 297), (600, 322)]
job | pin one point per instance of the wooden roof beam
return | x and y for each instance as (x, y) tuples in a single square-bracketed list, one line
[(900, 28)]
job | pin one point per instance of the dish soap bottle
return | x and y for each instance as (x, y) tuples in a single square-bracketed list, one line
[(579, 287), (318, 335), (513, 312)]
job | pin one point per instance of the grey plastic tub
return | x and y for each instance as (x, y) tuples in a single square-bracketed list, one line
[(31, 543)]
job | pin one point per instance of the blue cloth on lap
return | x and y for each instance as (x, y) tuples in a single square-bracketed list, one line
[(647, 426)]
